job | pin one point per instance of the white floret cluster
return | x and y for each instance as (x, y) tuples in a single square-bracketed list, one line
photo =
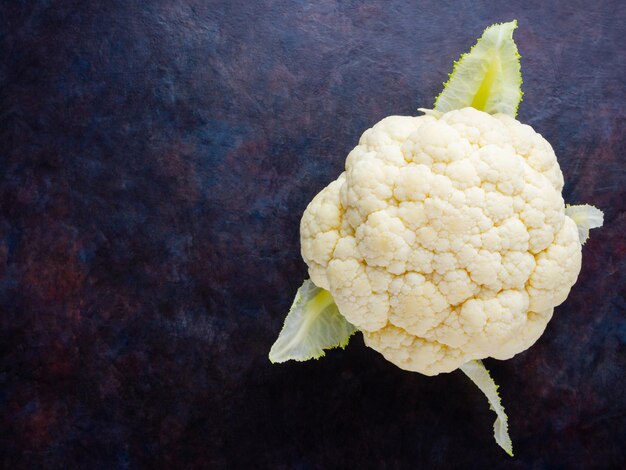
[(445, 238)]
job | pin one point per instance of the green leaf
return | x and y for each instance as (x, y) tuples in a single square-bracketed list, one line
[(586, 217), (487, 78), (477, 372), (312, 325)]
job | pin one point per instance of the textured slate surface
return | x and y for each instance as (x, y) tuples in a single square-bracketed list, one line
[(155, 158)]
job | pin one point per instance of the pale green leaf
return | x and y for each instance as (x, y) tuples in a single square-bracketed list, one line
[(586, 218), (487, 78), (312, 325), (477, 372)]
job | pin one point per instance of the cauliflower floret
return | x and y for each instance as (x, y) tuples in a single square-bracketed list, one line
[(445, 239)]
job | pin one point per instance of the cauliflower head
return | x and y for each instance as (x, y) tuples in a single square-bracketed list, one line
[(445, 239)]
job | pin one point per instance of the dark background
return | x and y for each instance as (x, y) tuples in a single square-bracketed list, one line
[(156, 158)]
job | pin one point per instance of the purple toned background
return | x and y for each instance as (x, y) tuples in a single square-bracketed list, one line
[(155, 158)]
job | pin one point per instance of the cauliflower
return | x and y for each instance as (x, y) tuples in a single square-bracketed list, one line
[(445, 239)]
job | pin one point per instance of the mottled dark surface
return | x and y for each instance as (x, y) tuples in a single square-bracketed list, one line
[(155, 158)]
